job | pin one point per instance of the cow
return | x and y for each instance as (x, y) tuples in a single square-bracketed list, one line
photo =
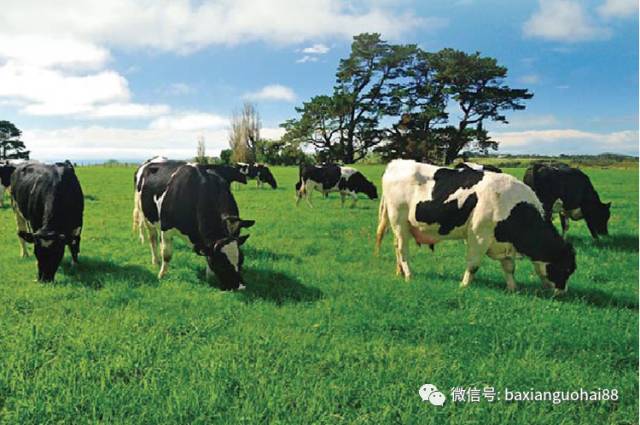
[(48, 204), (194, 202), (5, 180), (227, 172), (328, 178), (496, 214), (478, 167), (258, 172), (569, 192)]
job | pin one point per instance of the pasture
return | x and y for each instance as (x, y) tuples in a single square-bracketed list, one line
[(325, 332)]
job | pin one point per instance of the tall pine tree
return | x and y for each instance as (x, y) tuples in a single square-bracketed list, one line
[(11, 147)]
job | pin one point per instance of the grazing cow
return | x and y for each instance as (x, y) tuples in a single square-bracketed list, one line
[(495, 214), (258, 172), (478, 167), (48, 204), (227, 172), (193, 201), (5, 180), (333, 178), (569, 192)]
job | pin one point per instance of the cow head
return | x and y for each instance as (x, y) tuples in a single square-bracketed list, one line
[(5, 174), (49, 250), (559, 270), (264, 174), (234, 224), (363, 185), (225, 259), (597, 216)]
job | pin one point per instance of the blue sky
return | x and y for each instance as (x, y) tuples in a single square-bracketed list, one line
[(131, 79)]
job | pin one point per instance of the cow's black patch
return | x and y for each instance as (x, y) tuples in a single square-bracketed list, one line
[(6, 170), (327, 175), (357, 182), (153, 183), (447, 214), (537, 239)]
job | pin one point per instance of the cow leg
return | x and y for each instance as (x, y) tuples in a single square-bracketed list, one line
[(308, 190), (354, 197), (166, 249), (541, 271), (74, 246), (22, 225), (153, 242), (342, 196), (508, 268), (402, 235), (1, 196), (564, 221), (477, 247)]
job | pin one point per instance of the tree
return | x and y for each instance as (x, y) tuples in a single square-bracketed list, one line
[(245, 133), (11, 147), (201, 153), (345, 126), (476, 84), (226, 155)]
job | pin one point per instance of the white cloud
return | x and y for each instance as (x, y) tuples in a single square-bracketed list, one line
[(272, 92), (101, 143), (189, 121), (128, 110), (316, 49), (563, 20), (52, 51), (529, 79), (186, 25), (307, 58), (618, 8), (568, 141)]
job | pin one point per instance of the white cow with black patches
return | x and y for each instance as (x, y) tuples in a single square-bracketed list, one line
[(496, 215), (329, 178)]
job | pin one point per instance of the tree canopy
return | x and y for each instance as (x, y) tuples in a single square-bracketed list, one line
[(395, 99)]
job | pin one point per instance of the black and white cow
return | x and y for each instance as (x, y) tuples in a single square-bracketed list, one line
[(194, 202), (569, 192), (496, 214), (478, 167), (258, 172), (48, 204), (227, 172), (333, 178), (5, 179)]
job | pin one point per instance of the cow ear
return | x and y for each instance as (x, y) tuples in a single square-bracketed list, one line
[(242, 239), (247, 223), (28, 237)]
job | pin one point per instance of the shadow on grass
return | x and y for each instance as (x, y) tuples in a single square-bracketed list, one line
[(92, 273), (595, 297), (619, 242), (277, 287)]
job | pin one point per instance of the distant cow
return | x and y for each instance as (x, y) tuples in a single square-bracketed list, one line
[(569, 192), (5, 180), (227, 172), (333, 178), (478, 167), (258, 172), (195, 202), (495, 214), (48, 204)]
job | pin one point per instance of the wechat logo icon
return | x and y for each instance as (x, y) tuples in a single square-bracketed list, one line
[(430, 393)]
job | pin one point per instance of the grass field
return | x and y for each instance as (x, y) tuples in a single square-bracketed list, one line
[(325, 332)]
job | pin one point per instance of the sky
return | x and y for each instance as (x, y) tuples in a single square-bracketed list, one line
[(127, 80)]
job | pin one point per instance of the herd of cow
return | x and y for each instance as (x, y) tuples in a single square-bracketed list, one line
[(496, 214)]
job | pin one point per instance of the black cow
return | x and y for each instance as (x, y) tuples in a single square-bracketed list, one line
[(258, 172), (5, 180), (333, 178), (569, 192), (48, 203), (195, 202), (227, 172), (478, 167)]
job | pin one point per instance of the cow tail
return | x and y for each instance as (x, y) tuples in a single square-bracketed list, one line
[(383, 222)]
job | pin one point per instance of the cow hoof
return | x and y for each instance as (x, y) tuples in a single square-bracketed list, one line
[(241, 288), (548, 285)]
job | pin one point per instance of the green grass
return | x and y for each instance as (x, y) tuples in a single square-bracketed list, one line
[(324, 333)]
